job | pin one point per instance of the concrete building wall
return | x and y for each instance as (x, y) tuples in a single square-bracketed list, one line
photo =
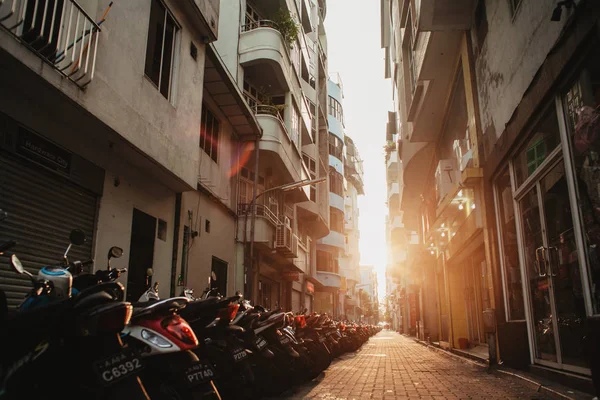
[(122, 96), (510, 54), (115, 216), (198, 209)]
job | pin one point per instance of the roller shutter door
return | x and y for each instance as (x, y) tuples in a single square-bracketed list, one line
[(43, 208)]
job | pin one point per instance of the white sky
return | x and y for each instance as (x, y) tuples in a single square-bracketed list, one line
[(354, 51)]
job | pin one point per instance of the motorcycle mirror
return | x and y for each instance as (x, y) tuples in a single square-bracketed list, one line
[(149, 272), (77, 237), (115, 252), (16, 264)]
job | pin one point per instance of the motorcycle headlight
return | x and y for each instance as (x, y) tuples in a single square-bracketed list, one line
[(155, 339)]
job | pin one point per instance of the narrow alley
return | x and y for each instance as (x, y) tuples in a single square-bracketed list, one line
[(392, 366)]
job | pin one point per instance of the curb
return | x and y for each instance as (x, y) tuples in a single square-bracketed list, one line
[(539, 387)]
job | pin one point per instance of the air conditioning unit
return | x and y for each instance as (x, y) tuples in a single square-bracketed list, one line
[(446, 177), (294, 249), (283, 241)]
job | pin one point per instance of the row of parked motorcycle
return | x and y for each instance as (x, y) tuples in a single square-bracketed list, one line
[(74, 336)]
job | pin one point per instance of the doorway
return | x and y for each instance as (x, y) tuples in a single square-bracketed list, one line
[(141, 254), (473, 277), (552, 269), (218, 276)]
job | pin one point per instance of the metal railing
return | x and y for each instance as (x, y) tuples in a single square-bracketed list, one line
[(61, 33), (263, 23), (262, 211)]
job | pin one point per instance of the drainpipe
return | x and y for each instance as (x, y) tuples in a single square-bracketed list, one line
[(253, 270)]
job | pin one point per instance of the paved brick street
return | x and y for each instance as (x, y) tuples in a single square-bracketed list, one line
[(391, 366)]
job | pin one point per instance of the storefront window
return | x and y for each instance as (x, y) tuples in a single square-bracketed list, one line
[(582, 112), (509, 248), (545, 139)]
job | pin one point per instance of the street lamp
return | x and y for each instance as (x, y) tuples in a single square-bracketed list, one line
[(283, 188)]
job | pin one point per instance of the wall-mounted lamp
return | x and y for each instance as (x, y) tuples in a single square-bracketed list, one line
[(557, 13), (460, 193), (473, 206), (460, 206)]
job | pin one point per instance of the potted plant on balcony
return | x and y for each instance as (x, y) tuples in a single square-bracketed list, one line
[(287, 26), (389, 146)]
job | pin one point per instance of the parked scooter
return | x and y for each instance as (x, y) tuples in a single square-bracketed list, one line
[(83, 328)]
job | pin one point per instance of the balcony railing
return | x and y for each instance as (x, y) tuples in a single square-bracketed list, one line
[(263, 23), (61, 33), (262, 211)]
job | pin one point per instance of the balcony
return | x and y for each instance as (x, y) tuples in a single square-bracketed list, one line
[(436, 55), (334, 239), (446, 15), (336, 201), (278, 147), (265, 55), (264, 227), (61, 34), (330, 280)]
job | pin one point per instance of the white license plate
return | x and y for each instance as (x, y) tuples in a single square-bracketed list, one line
[(118, 367), (198, 373), (261, 343), (239, 354)]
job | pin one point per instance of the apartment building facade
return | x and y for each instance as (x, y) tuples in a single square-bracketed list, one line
[(100, 127), (282, 75), (518, 88), (331, 248), (350, 261)]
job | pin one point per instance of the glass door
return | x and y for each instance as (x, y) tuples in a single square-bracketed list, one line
[(552, 267)]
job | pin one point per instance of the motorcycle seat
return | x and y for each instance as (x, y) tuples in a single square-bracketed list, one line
[(166, 306)]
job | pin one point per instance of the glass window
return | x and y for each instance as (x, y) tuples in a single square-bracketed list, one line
[(209, 133), (509, 249), (537, 149), (580, 104), (162, 31)]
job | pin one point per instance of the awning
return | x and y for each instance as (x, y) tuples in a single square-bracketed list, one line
[(220, 85)]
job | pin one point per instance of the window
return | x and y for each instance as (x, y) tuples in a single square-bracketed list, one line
[(162, 36), (247, 186), (312, 168), (411, 57), (336, 182), (539, 147), (513, 286), (336, 146), (336, 220), (209, 133), (335, 109), (252, 17)]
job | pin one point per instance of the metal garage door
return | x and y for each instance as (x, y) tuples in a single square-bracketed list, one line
[(42, 209)]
